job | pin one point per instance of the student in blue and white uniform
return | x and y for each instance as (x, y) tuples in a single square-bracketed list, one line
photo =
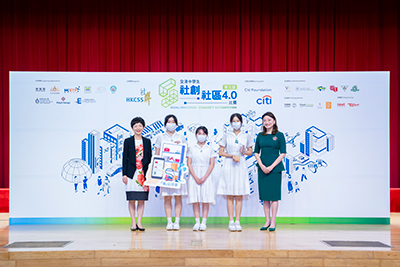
[(234, 179), (171, 136)]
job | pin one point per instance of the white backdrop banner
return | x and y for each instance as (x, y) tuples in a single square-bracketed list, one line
[(67, 131)]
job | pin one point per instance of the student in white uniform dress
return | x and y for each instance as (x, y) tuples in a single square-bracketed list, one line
[(171, 136), (234, 180), (201, 162)]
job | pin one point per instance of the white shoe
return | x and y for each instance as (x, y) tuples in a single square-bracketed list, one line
[(232, 227), (170, 226), (176, 226), (203, 227), (196, 227), (238, 227)]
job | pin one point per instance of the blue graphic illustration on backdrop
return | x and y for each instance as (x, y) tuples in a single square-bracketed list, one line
[(152, 130), (85, 186), (291, 139), (101, 151), (117, 168), (316, 143), (76, 171), (103, 186)]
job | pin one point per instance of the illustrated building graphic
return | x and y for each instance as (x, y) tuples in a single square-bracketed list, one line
[(288, 164), (99, 152), (317, 142), (85, 152), (153, 129), (93, 150), (116, 135)]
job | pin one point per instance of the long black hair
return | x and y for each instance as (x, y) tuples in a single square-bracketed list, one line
[(274, 128)]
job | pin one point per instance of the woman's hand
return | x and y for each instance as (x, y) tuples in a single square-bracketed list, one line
[(266, 170), (203, 179), (270, 168), (242, 150), (125, 179), (236, 158), (197, 180)]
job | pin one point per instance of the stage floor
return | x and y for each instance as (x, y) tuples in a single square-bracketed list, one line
[(119, 237)]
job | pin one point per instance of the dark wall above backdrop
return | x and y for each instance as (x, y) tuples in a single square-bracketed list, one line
[(206, 36)]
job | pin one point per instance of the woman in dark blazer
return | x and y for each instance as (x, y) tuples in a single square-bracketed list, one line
[(135, 162)]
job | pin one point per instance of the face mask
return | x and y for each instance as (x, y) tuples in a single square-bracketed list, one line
[(171, 127), (201, 138), (236, 125)]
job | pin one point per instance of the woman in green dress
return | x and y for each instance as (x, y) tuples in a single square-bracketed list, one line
[(270, 149)]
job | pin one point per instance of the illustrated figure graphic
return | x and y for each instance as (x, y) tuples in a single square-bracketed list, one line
[(296, 187), (85, 187), (76, 184), (75, 171), (290, 186), (100, 185), (106, 186), (303, 175)]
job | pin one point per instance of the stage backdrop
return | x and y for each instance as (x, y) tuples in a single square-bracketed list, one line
[(67, 131)]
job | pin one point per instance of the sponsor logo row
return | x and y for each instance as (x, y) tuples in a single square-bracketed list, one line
[(321, 105), (64, 101), (267, 100), (144, 97), (322, 88), (74, 90)]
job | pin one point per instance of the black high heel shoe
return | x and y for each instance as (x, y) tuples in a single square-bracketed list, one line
[(133, 229), (140, 229)]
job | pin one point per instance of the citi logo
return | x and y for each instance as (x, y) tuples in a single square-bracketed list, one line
[(265, 100)]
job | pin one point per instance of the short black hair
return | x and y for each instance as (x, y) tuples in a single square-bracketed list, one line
[(202, 128), (170, 116), (137, 120), (237, 115)]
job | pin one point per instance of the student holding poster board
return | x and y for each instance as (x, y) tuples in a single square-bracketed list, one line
[(171, 136)]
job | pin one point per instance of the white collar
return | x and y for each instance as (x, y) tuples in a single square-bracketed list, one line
[(175, 133), (197, 145), (235, 134)]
